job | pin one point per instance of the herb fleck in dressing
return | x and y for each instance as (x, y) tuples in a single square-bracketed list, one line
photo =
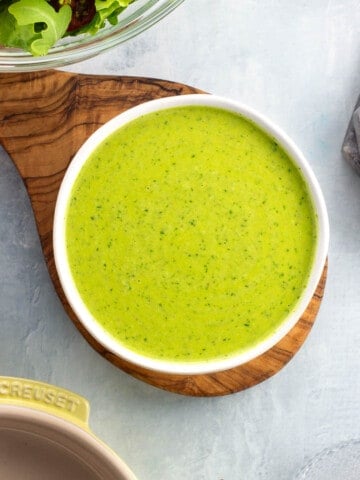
[(190, 234)]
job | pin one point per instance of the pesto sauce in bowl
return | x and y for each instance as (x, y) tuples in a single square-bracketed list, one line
[(190, 234)]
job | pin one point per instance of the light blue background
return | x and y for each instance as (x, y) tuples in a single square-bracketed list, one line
[(299, 64)]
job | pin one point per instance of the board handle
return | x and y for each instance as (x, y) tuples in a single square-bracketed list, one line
[(46, 398)]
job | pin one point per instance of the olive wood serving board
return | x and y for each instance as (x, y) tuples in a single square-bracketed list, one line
[(44, 118)]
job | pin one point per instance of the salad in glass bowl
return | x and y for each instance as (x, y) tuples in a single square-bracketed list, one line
[(40, 34)]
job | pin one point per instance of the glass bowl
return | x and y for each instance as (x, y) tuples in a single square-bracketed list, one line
[(136, 18), (341, 461)]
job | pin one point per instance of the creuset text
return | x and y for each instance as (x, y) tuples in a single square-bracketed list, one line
[(40, 394)]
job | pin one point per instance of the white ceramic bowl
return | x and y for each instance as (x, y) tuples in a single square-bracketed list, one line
[(44, 434), (61, 256)]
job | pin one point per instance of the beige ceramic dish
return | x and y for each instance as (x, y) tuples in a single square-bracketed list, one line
[(44, 434)]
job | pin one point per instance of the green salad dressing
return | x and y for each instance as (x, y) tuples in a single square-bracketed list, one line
[(190, 234)]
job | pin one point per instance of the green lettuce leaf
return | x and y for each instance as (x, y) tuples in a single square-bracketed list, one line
[(13, 35), (33, 25)]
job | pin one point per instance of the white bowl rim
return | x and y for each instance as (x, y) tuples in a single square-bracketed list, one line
[(66, 280)]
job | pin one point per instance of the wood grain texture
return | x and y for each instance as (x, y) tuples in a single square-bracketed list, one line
[(44, 118)]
